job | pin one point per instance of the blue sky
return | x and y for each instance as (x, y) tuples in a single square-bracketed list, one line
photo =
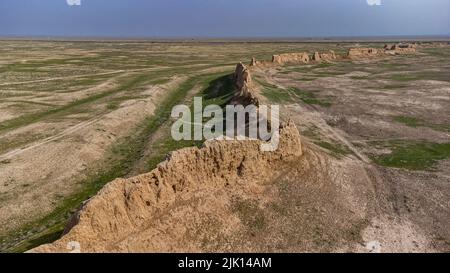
[(224, 18)]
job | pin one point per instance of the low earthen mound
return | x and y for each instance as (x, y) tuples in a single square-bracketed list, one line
[(399, 49), (361, 53), (327, 56), (292, 58), (405, 48), (364, 53)]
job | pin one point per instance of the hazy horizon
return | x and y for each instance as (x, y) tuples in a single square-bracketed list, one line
[(234, 19)]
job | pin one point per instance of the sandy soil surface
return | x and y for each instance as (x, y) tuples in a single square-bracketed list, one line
[(413, 206)]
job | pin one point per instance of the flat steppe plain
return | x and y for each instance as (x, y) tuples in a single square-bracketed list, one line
[(75, 115)]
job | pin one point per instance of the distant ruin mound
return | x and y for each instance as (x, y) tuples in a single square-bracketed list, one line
[(358, 53), (328, 56), (364, 53), (291, 58), (370, 53)]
